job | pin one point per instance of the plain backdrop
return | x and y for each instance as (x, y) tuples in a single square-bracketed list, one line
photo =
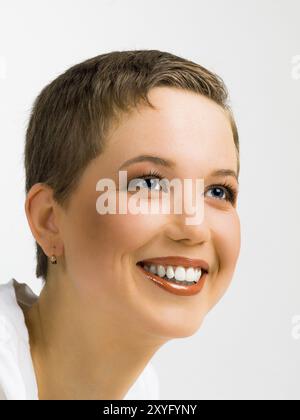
[(247, 347)]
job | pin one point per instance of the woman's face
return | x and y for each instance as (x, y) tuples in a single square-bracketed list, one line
[(101, 251)]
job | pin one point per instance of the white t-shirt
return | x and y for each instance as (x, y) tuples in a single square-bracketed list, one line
[(17, 375)]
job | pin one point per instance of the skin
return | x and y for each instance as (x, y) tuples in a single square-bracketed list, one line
[(98, 321)]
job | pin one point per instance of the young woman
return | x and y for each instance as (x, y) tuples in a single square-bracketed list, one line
[(119, 286)]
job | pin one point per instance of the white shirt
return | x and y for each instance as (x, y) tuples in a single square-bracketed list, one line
[(17, 375)]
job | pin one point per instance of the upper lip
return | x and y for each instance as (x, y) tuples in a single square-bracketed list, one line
[(178, 261)]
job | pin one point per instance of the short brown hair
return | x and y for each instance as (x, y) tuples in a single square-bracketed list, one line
[(72, 115)]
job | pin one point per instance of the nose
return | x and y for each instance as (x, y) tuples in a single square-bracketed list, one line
[(186, 221), (190, 234)]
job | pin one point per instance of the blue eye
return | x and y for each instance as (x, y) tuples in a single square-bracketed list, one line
[(144, 183), (223, 192), (226, 191), (149, 181)]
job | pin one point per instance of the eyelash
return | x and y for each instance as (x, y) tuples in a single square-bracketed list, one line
[(231, 191)]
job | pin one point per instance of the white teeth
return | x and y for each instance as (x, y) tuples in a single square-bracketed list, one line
[(180, 274), (153, 268), (161, 271), (198, 273), (177, 274), (170, 272), (190, 274)]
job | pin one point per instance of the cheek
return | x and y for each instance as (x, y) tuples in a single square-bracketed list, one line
[(105, 244), (226, 242), (121, 234)]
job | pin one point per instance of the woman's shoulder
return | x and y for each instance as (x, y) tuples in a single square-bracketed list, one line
[(8, 310), (16, 376), (152, 382), (146, 387), (11, 315)]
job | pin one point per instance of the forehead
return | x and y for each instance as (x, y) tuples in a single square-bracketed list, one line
[(185, 127)]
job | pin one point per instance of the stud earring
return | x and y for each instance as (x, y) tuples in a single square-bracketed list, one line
[(53, 259)]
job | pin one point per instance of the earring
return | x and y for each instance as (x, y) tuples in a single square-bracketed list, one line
[(53, 259)]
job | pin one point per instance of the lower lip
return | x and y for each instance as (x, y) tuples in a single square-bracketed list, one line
[(172, 287)]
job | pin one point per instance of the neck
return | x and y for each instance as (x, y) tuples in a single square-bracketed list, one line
[(79, 353)]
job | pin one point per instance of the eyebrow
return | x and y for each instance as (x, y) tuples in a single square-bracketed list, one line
[(170, 164)]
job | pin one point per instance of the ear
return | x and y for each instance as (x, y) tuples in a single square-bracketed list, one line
[(43, 218)]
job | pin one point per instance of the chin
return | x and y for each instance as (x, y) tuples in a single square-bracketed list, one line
[(186, 330), (172, 327)]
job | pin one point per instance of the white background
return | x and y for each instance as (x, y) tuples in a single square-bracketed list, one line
[(245, 348)]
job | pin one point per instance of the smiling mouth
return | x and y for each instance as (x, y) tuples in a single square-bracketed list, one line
[(179, 280)]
